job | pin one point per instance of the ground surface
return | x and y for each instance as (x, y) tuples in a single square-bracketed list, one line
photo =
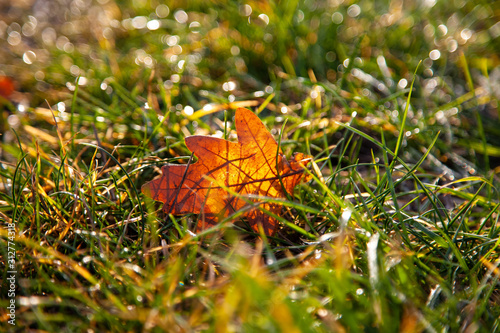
[(397, 230)]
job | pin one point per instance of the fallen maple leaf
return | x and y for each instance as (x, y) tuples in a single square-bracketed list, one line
[(246, 167)]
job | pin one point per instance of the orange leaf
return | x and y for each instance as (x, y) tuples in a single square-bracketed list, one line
[(6, 86), (245, 167)]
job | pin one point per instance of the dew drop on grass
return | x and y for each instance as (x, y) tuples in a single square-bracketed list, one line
[(172, 40), (245, 10), (354, 10), (49, 36), (229, 86), (402, 83), (162, 11), (337, 18), (29, 28), (61, 107), (322, 313), (14, 38), (194, 26), (300, 16), (466, 34), (29, 57), (235, 50), (139, 22), (345, 217), (451, 45), (443, 29), (153, 25), (434, 54), (96, 287), (181, 16), (175, 78), (188, 110), (168, 84), (13, 121), (264, 18), (331, 56), (39, 75)]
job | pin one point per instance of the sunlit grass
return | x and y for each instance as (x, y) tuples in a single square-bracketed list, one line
[(397, 230)]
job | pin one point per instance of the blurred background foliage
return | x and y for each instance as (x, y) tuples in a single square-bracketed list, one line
[(191, 53)]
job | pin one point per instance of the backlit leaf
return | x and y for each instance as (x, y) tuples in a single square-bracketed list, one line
[(246, 167)]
